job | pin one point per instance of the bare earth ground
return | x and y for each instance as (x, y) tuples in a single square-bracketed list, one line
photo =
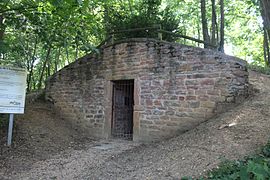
[(47, 148)]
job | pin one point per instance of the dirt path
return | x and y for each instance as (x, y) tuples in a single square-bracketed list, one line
[(231, 135)]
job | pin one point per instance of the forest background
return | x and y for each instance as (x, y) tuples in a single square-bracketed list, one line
[(43, 36)]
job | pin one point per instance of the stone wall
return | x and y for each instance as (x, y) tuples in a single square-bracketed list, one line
[(176, 87)]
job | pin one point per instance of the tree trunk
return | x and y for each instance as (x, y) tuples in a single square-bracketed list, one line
[(76, 51), (44, 68), (266, 13), (56, 60), (266, 52), (48, 69), (33, 59), (198, 27), (206, 36), (106, 20), (67, 54), (2, 28), (265, 5), (213, 27), (221, 44)]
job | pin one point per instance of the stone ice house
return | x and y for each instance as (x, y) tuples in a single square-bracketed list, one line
[(145, 89)]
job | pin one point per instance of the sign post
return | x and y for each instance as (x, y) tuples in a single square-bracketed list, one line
[(10, 129), (12, 94)]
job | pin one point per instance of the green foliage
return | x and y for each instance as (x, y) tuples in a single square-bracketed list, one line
[(45, 35), (253, 167), (146, 13), (31, 28)]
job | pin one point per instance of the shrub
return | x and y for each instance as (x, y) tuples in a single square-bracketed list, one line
[(252, 167)]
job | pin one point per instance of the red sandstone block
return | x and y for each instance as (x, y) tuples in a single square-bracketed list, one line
[(203, 98), (157, 103), (185, 67), (200, 92), (180, 76), (217, 98), (195, 76), (189, 98), (146, 122), (208, 104), (191, 92), (181, 98), (160, 122), (169, 123), (181, 92), (194, 104), (172, 97), (149, 102), (195, 87), (207, 82), (213, 92), (156, 127), (180, 83), (191, 82)]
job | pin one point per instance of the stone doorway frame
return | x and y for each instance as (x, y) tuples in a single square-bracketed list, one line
[(107, 130), (122, 109)]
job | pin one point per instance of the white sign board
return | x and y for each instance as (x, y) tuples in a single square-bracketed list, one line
[(12, 90)]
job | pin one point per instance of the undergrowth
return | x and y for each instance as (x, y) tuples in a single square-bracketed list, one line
[(263, 70), (255, 167)]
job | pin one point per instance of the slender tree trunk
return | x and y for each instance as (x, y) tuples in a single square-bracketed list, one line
[(213, 27), (76, 51), (48, 69), (33, 84), (221, 44), (44, 67), (266, 48), (2, 32), (33, 59), (67, 54), (198, 26), (56, 60), (266, 13), (206, 36), (217, 32), (266, 52), (2, 28), (106, 20)]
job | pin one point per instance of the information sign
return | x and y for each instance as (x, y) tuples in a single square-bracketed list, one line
[(12, 90)]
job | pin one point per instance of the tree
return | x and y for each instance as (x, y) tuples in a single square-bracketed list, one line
[(145, 13), (222, 21), (265, 6), (45, 35), (206, 36)]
